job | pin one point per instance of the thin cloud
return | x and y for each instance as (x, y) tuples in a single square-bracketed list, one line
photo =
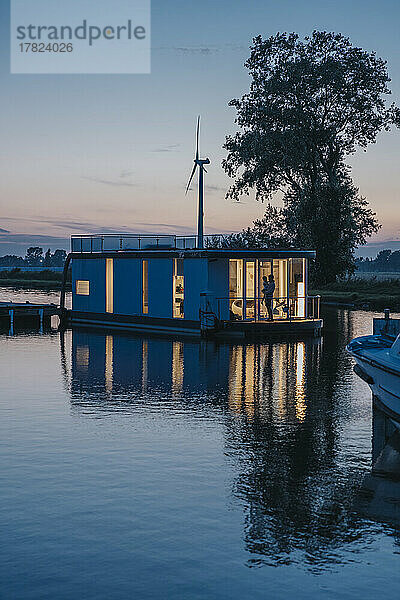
[(24, 237), (200, 50), (215, 188), (83, 227), (126, 173), (167, 227), (204, 50), (170, 148), (110, 182), (96, 228), (196, 50), (17, 244), (73, 226), (393, 242)]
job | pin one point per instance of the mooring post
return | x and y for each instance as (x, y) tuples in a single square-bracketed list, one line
[(378, 431), (11, 313), (41, 313)]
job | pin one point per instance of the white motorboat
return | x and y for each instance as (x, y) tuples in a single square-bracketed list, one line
[(378, 363)]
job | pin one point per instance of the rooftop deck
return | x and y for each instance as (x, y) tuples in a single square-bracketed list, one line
[(108, 244)]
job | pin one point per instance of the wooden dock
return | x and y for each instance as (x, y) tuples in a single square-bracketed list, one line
[(27, 314)]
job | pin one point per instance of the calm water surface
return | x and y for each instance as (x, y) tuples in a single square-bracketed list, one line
[(138, 467)]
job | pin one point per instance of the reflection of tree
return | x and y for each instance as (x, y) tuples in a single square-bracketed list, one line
[(293, 496)]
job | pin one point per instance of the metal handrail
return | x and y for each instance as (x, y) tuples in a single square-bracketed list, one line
[(286, 303), (91, 243)]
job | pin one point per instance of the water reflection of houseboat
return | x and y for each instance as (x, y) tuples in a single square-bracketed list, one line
[(244, 376), (167, 284)]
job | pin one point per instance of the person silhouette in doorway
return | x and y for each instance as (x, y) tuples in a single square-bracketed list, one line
[(268, 294)]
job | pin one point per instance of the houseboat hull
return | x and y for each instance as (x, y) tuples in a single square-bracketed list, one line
[(225, 329)]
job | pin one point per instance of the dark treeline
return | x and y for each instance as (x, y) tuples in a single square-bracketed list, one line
[(385, 262), (35, 257)]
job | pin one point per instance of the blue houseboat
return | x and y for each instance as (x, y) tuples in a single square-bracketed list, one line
[(169, 284)]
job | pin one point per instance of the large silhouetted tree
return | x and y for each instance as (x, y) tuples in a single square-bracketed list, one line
[(311, 104)]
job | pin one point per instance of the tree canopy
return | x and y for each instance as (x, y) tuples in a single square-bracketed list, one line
[(34, 258), (311, 104), (386, 261)]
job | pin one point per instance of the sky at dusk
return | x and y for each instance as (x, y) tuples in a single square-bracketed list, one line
[(91, 153)]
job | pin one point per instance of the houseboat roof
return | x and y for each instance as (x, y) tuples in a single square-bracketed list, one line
[(134, 245)]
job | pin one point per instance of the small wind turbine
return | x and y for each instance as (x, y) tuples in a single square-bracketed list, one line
[(199, 162)]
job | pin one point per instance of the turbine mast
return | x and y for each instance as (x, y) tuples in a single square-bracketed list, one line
[(200, 215), (199, 162)]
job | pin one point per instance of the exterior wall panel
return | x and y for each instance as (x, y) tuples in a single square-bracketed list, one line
[(94, 271), (218, 284), (160, 287), (128, 286), (196, 282)]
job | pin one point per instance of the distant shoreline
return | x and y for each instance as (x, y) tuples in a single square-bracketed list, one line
[(37, 280), (370, 294), (34, 284)]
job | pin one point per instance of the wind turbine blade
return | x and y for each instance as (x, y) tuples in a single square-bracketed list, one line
[(191, 177), (197, 137)]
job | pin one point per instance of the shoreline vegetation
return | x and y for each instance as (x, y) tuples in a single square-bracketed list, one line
[(357, 292), (38, 280)]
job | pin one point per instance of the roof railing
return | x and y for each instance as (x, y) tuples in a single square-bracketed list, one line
[(123, 242)]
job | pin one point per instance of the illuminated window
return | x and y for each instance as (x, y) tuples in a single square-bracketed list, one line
[(250, 289), (82, 288), (236, 288), (282, 304), (265, 269), (109, 285), (145, 287), (178, 288), (297, 288)]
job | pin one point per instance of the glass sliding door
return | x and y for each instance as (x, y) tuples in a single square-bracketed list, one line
[(236, 289), (297, 290), (264, 270), (281, 300), (251, 292)]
